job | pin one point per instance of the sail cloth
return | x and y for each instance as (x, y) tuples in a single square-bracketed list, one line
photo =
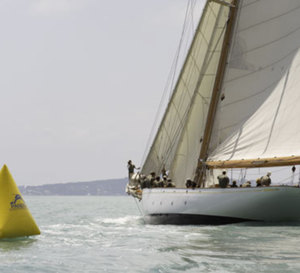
[(259, 117), (178, 141), (15, 218)]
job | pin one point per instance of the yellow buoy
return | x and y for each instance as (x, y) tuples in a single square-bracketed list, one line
[(15, 218)]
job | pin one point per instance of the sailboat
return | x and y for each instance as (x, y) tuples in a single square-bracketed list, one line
[(235, 106)]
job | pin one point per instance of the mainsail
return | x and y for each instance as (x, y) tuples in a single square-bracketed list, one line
[(257, 122), (178, 141)]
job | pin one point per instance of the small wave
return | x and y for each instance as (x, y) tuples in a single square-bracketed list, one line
[(122, 220)]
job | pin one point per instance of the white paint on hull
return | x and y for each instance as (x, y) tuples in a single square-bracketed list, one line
[(280, 203)]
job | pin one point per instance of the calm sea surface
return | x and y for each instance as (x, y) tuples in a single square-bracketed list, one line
[(107, 234)]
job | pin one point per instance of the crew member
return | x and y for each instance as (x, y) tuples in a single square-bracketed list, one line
[(266, 180), (131, 169), (164, 172), (165, 181), (247, 184), (258, 182), (223, 180), (188, 183), (170, 183), (234, 185)]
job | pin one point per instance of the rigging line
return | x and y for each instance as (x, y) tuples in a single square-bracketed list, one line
[(293, 178), (271, 42), (271, 19), (143, 216), (271, 85), (190, 31), (175, 130), (179, 49), (192, 15), (188, 76), (169, 83), (240, 177), (208, 58), (287, 180), (176, 134), (277, 110), (262, 68), (249, 4), (172, 129), (207, 62), (194, 57)]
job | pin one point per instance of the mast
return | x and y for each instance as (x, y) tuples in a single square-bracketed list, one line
[(200, 171)]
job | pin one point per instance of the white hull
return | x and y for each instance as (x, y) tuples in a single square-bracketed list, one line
[(187, 206)]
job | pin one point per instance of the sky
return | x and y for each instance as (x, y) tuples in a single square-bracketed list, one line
[(81, 81)]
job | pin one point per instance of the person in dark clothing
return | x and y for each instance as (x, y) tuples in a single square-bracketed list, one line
[(165, 181), (170, 183), (223, 180), (159, 182), (258, 182), (131, 168), (234, 185), (194, 185), (188, 183)]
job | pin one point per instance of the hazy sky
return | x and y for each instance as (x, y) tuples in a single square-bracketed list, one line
[(81, 81)]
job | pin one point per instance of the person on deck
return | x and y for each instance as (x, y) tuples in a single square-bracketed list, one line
[(258, 182), (165, 181), (223, 180), (131, 169), (170, 183), (155, 182), (266, 180), (188, 183), (234, 185), (143, 181), (152, 179), (158, 183), (247, 184), (194, 184), (164, 172)]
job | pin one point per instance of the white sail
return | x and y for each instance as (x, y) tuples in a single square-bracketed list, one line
[(259, 116), (177, 143), (187, 153)]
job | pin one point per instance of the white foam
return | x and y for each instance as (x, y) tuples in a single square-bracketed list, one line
[(121, 220)]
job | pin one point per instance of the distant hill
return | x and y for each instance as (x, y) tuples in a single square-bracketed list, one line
[(99, 187)]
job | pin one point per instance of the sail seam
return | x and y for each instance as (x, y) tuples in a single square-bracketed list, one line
[(270, 19), (251, 96), (277, 110), (272, 42), (265, 67), (206, 63)]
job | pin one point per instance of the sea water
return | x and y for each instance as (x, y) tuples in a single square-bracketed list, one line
[(108, 234)]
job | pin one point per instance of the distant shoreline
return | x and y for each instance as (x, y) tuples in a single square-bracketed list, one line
[(111, 187)]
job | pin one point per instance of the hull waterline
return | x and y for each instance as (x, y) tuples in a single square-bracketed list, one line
[(221, 206)]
